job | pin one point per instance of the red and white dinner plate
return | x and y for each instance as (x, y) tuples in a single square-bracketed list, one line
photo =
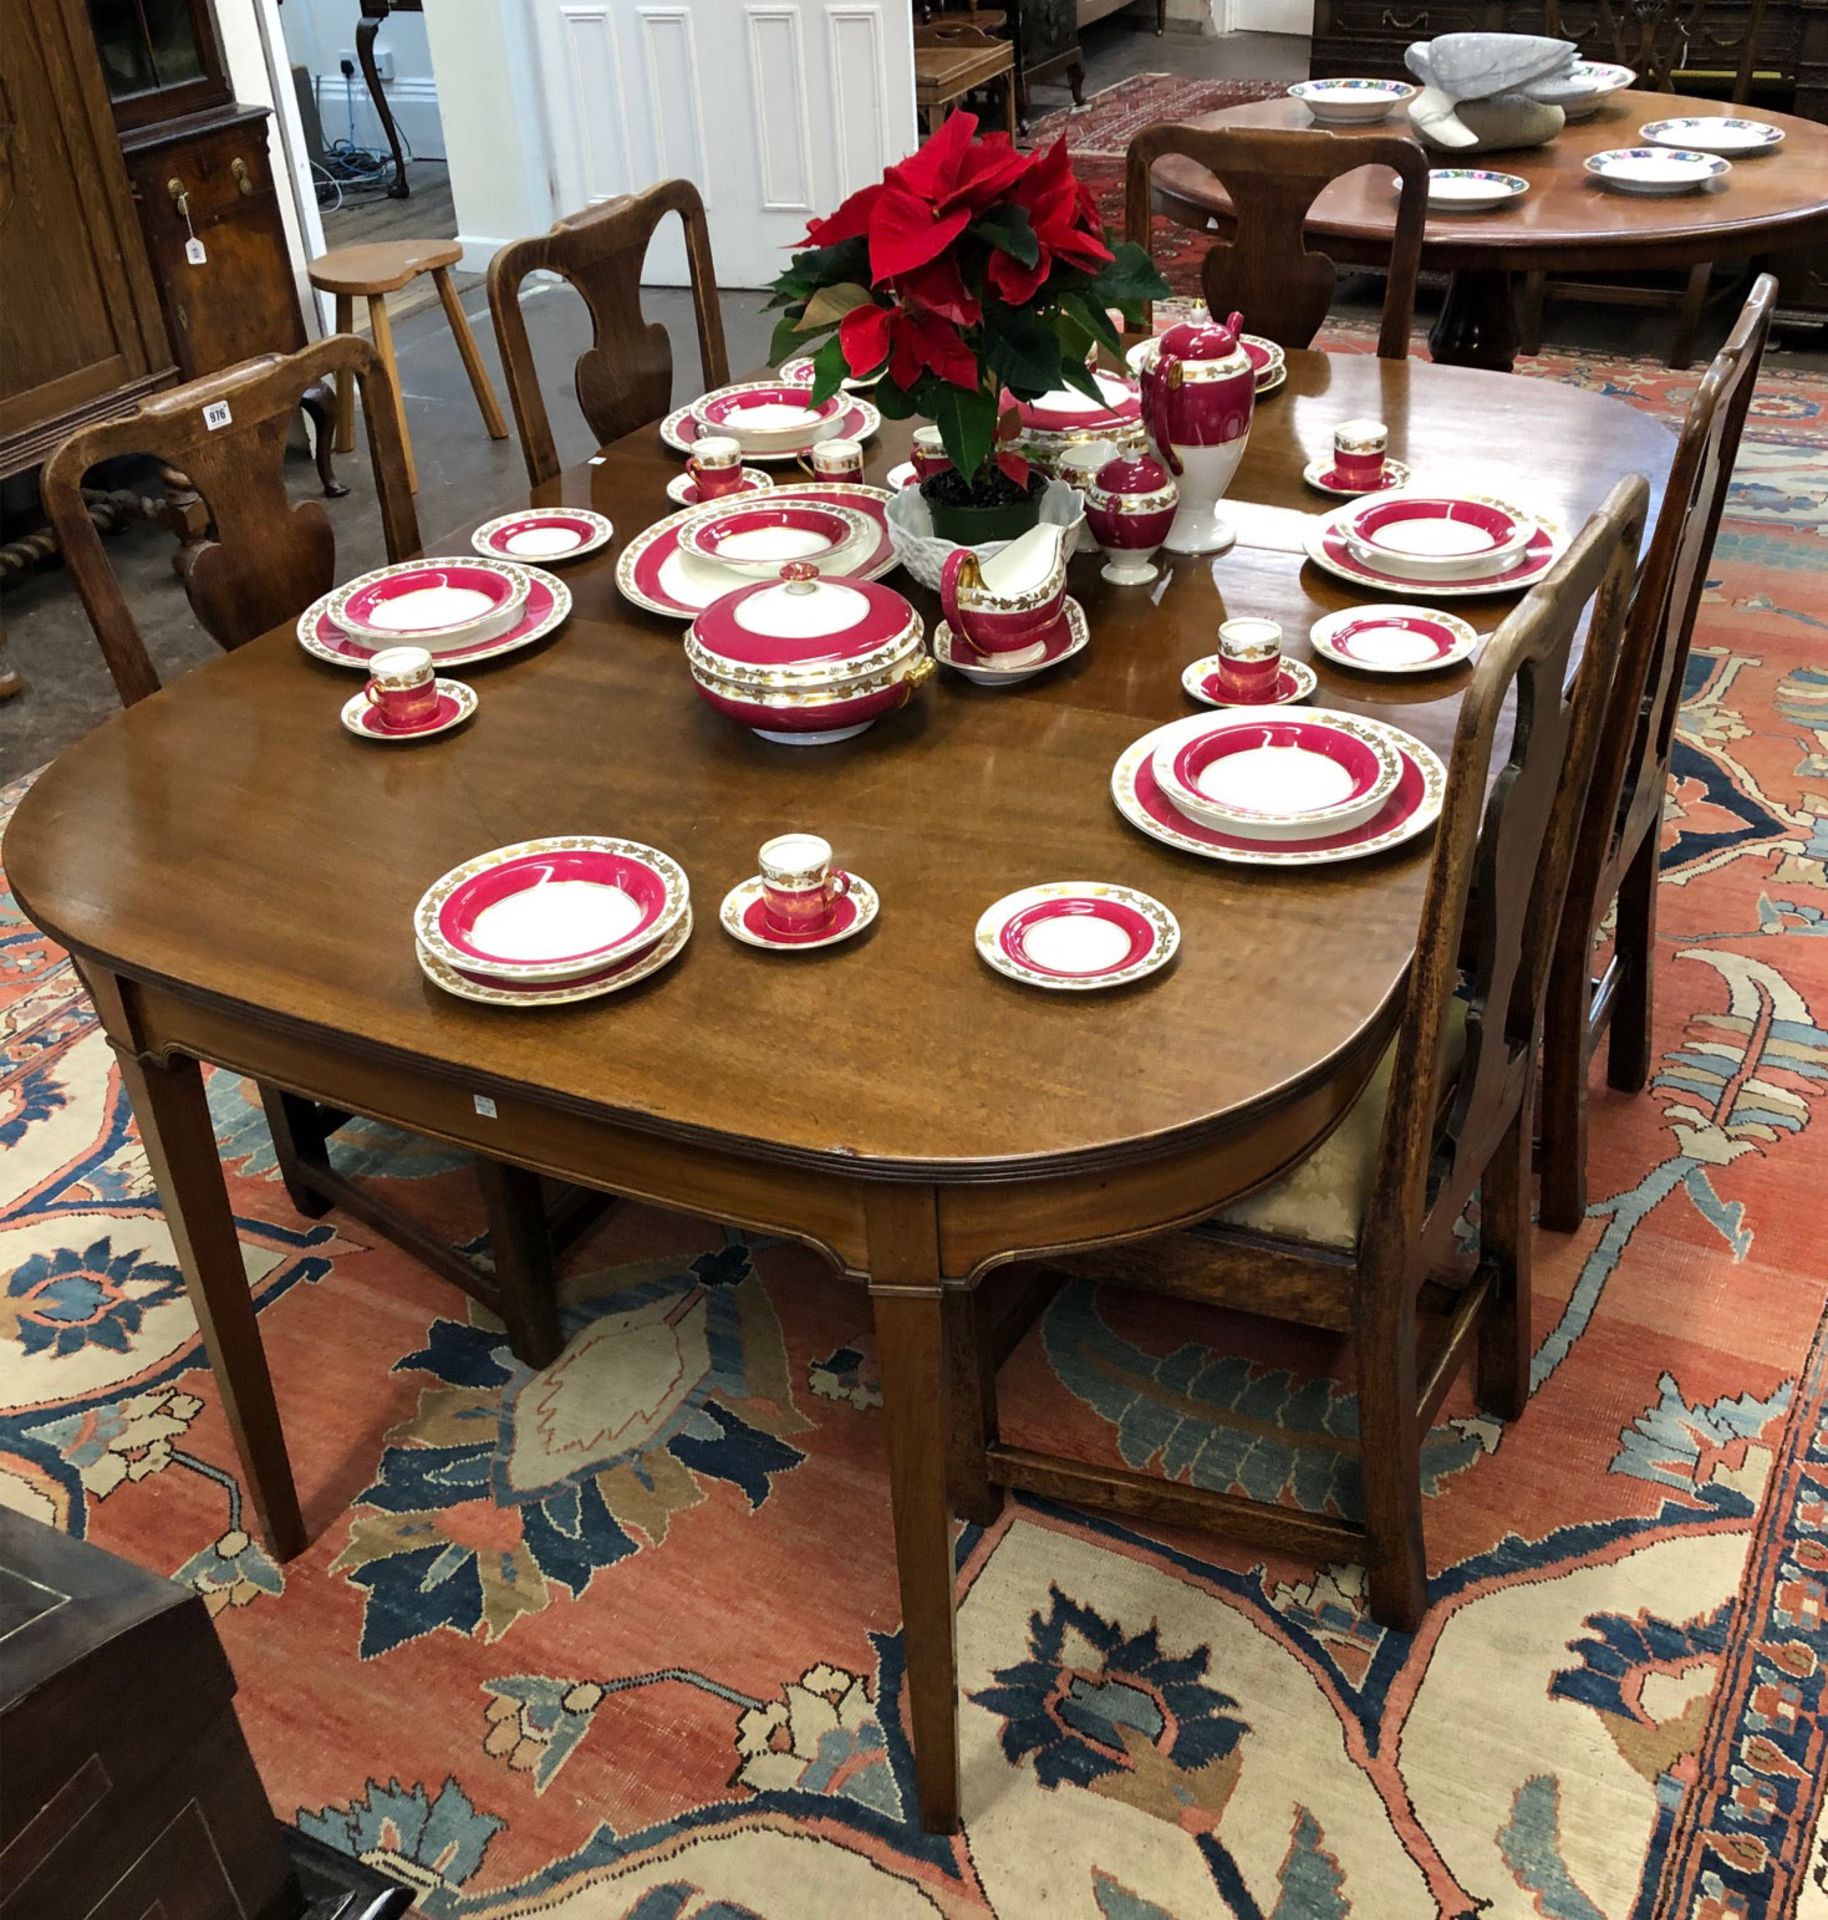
[(1324, 477), (429, 603), (1295, 680), (1436, 536), (1076, 935), (1329, 546), (551, 535), (757, 538), (548, 603), (563, 908), (1269, 775), (1067, 410), (1067, 636), (1412, 809), (1394, 638), (625, 973), (682, 489), (680, 430), (743, 916), (800, 370), (653, 572), (456, 703)]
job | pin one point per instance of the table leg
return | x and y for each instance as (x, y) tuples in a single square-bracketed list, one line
[(180, 1140), (365, 32), (910, 1353), (1478, 322)]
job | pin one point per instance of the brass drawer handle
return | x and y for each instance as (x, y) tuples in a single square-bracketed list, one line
[(239, 168), (1413, 24)]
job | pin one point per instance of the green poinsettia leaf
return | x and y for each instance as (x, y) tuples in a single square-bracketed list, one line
[(1022, 349), (1076, 374), (821, 267), (1010, 229), (828, 370), (966, 419), (1094, 319), (1128, 280), (830, 304), (787, 339), (893, 402)]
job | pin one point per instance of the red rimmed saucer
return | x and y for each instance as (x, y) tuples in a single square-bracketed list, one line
[(1077, 935), (1326, 546), (1067, 636), (456, 703), (653, 573), (428, 603), (1393, 638), (680, 429), (1410, 811), (1268, 776), (552, 535), (1322, 476), (743, 915), (682, 489), (563, 908), (548, 603), (563, 993), (1436, 536), (1295, 680)]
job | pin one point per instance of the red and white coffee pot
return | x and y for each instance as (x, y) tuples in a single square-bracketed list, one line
[(1198, 391)]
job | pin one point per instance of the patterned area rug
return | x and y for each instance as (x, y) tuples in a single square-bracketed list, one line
[(621, 1639)]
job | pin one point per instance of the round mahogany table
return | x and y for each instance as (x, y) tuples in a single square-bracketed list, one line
[(1566, 223)]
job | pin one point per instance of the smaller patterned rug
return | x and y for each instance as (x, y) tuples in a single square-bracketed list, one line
[(1104, 127)]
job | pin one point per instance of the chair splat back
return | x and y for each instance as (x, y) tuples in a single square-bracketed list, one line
[(1272, 175), (1498, 878), (266, 560), (1659, 38), (625, 377)]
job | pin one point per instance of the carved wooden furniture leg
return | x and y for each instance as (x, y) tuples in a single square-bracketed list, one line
[(526, 1296), (1628, 1043), (971, 1430), (910, 1315), (183, 513), (1505, 1339), (1566, 1056), (299, 1148), (472, 356), (1477, 325), (365, 32), (11, 686), (180, 1140), (384, 345), (321, 407), (1529, 312), (1688, 317), (345, 380), (1075, 78), (1390, 1447)]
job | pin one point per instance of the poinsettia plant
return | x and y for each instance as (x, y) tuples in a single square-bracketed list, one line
[(969, 274)]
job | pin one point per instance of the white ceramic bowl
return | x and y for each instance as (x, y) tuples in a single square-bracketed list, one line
[(1608, 79), (1352, 103), (924, 554), (775, 426)]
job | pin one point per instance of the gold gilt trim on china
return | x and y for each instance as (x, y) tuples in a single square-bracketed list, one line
[(425, 914), (1127, 435), (1162, 948), (1121, 503), (975, 597), (516, 573), (814, 676), (919, 669)]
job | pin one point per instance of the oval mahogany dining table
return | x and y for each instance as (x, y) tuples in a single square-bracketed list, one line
[(1566, 223), (235, 875)]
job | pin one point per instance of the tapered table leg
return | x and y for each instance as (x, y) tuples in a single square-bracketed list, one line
[(180, 1140), (1477, 325), (910, 1352)]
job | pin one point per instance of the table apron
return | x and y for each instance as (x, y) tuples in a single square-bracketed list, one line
[(982, 1223)]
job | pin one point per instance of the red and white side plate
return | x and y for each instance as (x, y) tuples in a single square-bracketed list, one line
[(743, 916), (1295, 680), (429, 602), (1411, 810), (562, 908), (549, 534), (1066, 637), (456, 703), (682, 489), (548, 603), (654, 573), (1329, 547), (1077, 935), (680, 429), (563, 993), (1393, 638)]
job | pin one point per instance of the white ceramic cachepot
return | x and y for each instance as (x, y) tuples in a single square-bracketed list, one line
[(1197, 395)]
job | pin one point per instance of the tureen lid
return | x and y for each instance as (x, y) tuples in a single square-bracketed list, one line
[(1203, 339), (804, 620), (1132, 473)]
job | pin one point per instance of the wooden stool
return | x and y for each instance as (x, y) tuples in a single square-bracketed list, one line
[(374, 271)]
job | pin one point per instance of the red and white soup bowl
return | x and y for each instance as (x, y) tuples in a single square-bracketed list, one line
[(770, 416), (432, 602)]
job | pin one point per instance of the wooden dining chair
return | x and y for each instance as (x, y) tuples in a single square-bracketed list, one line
[(1618, 850), (1358, 1236), (625, 378), (1272, 176), (266, 562), (1662, 41)]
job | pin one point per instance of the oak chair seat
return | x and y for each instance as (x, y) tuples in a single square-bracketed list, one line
[(953, 59), (380, 266)]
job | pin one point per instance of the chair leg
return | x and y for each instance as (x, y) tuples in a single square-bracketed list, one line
[(1529, 313), (345, 380), (384, 346), (298, 1145), (472, 356), (1390, 1447), (1565, 1063), (1009, 105), (1628, 1044), (321, 408), (1688, 322), (1504, 1234), (972, 1399), (526, 1284)]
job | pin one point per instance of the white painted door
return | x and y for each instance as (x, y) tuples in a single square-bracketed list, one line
[(775, 109)]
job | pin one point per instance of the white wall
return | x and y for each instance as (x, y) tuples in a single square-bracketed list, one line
[(320, 33)]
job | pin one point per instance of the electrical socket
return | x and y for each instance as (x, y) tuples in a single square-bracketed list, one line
[(383, 60)]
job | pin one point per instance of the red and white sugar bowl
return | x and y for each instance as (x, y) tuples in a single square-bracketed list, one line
[(1129, 507), (805, 660), (1198, 393)]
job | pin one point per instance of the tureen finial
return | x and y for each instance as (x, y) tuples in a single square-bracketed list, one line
[(799, 575)]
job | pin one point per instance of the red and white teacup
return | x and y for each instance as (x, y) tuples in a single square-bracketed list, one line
[(929, 453), (403, 684), (716, 464), (1250, 660), (838, 460), (1359, 447), (800, 892)]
